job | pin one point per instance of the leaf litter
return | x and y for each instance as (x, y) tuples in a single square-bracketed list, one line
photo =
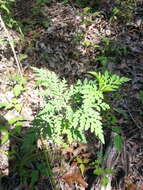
[(66, 47)]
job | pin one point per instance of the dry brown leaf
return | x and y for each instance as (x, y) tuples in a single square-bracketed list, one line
[(72, 153), (67, 150), (131, 187), (74, 175), (82, 148)]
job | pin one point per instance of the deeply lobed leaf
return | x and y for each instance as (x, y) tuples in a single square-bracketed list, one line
[(70, 111)]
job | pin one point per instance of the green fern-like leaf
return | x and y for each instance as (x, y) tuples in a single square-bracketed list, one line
[(69, 111), (109, 82)]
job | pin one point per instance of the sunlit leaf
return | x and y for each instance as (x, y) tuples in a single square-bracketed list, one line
[(82, 168), (22, 57), (4, 134), (18, 107), (18, 90), (99, 171), (104, 181), (9, 106), (3, 105)]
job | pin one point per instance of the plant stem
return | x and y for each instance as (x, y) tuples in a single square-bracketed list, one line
[(49, 173), (12, 46)]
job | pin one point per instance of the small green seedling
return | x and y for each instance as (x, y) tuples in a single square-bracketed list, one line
[(99, 171), (16, 124), (17, 91), (82, 162), (13, 104)]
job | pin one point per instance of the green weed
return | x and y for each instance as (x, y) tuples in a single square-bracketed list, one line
[(101, 172), (123, 11), (17, 89), (69, 111), (6, 8)]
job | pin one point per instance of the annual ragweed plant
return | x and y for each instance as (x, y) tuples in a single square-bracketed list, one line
[(70, 111)]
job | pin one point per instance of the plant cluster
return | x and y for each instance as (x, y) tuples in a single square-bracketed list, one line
[(110, 50), (123, 11), (70, 111), (6, 9), (15, 123), (17, 89)]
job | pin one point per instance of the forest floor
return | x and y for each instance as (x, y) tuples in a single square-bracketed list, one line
[(72, 41)]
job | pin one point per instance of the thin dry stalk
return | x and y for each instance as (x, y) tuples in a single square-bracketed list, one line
[(10, 40)]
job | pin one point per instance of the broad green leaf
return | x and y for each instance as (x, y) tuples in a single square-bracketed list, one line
[(17, 78), (17, 127), (18, 107), (79, 160), (109, 171), (23, 57), (14, 100), (99, 171), (4, 7), (12, 121), (4, 134), (34, 177), (2, 41), (118, 142), (18, 124), (86, 10), (9, 106), (96, 14), (18, 89), (82, 168), (20, 118), (104, 181), (86, 43), (3, 105)]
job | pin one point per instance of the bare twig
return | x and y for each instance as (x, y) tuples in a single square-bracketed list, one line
[(130, 114), (10, 40)]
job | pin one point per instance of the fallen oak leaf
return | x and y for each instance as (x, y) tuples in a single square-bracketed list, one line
[(74, 175), (81, 149), (70, 153)]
